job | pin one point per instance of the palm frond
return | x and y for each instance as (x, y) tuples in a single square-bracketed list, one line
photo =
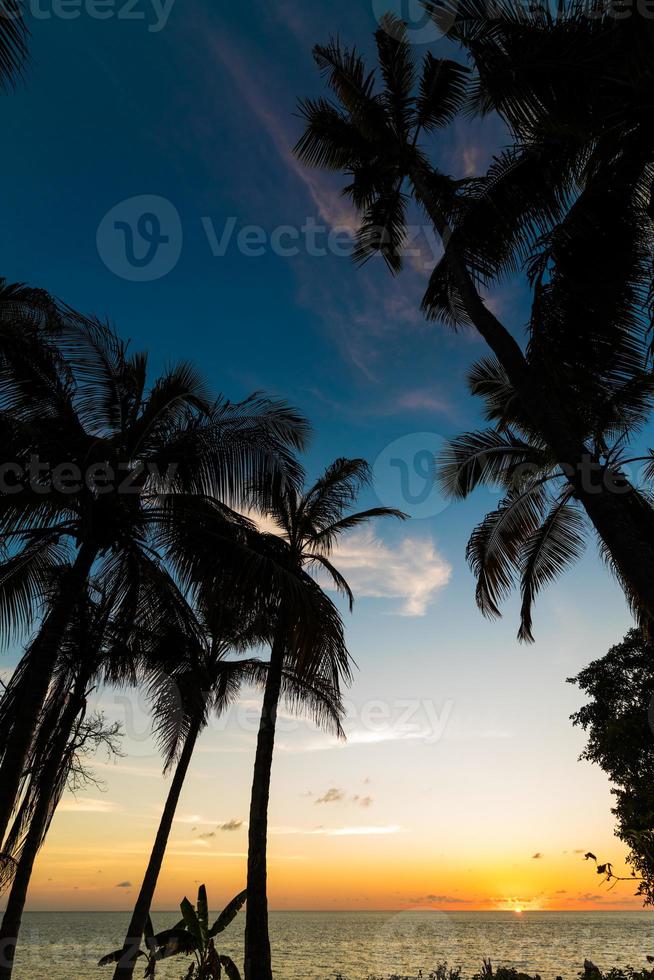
[(398, 71), (382, 229), (557, 543), (346, 75), (443, 88), (488, 457), (27, 580), (330, 140), (495, 546), (339, 580), (318, 696), (13, 43), (326, 537)]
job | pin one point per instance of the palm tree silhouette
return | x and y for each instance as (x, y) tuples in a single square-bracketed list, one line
[(538, 528), (72, 395), (189, 677), (310, 522), (568, 182), (62, 731)]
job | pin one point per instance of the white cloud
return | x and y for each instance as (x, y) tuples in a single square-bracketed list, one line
[(361, 831), (87, 806), (374, 738), (128, 770), (370, 831), (412, 571)]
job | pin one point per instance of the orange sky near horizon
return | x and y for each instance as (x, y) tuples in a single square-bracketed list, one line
[(339, 839), (459, 786)]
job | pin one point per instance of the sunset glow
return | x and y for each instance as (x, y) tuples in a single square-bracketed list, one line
[(459, 786)]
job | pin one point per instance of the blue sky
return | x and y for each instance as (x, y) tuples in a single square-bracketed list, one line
[(200, 113)]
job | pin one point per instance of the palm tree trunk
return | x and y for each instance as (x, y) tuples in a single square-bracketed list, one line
[(620, 517), (35, 685), (131, 946), (47, 781), (257, 940)]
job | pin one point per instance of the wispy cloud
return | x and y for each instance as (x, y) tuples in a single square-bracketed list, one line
[(424, 401), (391, 735), (88, 806), (118, 767), (369, 308), (357, 738), (330, 205), (193, 819), (360, 831), (350, 831)]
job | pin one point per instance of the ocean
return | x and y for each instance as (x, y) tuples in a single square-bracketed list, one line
[(356, 945)]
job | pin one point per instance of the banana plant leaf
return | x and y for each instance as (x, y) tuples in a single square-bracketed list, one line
[(191, 921), (203, 911), (228, 914), (172, 942), (115, 957), (230, 967)]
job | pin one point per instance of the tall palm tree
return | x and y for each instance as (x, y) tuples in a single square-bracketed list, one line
[(71, 394), (189, 679), (558, 189), (310, 522), (137, 626), (538, 528)]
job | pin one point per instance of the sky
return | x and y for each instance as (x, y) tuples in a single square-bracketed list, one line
[(149, 180)]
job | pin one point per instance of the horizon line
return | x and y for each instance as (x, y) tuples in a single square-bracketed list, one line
[(322, 911)]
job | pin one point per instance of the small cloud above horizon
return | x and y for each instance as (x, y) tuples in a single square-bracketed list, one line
[(335, 795), (332, 795), (230, 825), (440, 900), (124, 884)]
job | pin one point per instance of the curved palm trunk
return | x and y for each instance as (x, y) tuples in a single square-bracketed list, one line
[(35, 685), (48, 778), (615, 509), (131, 946), (257, 940)]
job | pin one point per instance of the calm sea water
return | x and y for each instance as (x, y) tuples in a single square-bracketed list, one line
[(318, 945)]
